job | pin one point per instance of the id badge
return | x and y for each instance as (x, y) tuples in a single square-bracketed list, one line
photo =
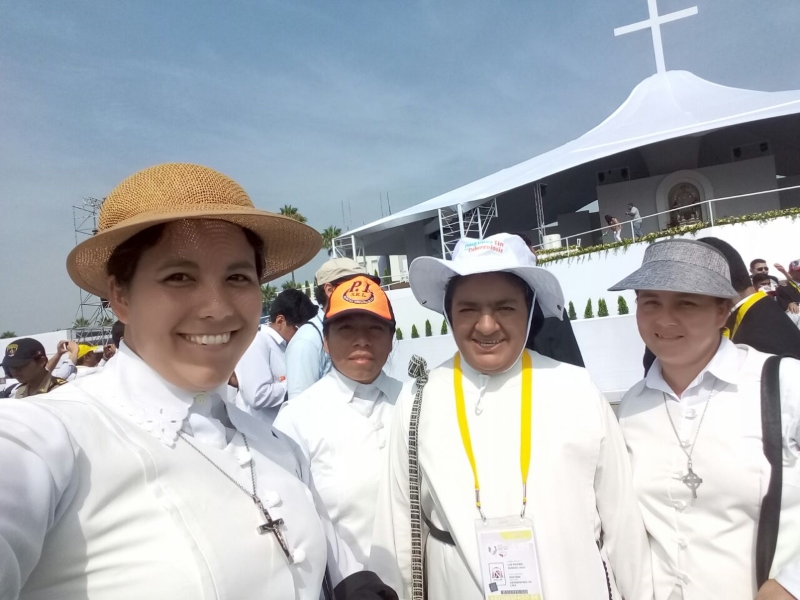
[(508, 560)]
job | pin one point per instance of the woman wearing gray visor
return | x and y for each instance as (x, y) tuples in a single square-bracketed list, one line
[(712, 432), (507, 471)]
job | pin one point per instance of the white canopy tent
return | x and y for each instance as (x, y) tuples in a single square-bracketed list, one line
[(665, 106)]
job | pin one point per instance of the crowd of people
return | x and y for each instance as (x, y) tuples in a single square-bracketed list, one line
[(198, 455)]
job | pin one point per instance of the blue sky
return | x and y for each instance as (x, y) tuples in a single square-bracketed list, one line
[(318, 103)]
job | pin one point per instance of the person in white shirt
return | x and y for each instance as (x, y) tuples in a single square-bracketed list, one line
[(306, 359), (260, 376), (141, 481), (693, 429), (518, 462), (341, 423)]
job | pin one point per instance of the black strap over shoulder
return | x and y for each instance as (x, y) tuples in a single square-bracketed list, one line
[(772, 434)]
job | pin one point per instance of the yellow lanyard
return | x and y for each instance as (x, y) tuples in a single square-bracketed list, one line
[(526, 402), (741, 313)]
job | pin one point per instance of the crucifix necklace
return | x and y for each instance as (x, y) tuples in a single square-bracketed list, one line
[(691, 480), (271, 525)]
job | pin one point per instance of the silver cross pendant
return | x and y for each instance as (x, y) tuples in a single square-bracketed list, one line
[(273, 526), (692, 480)]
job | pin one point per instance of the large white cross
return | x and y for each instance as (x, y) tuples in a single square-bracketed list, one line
[(654, 22)]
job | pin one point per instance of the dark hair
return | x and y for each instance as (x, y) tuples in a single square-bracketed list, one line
[(117, 333), (608, 218), (125, 259), (457, 280), (525, 239), (295, 307), (755, 261), (760, 278), (740, 278)]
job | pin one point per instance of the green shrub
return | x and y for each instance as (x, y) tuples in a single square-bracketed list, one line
[(444, 328), (571, 311), (398, 333), (428, 329), (622, 306), (602, 309), (414, 332), (588, 313)]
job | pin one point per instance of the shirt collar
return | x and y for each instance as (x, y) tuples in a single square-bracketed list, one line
[(724, 365), (269, 331), (367, 391), (151, 402)]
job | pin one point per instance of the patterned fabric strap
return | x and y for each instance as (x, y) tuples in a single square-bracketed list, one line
[(417, 368)]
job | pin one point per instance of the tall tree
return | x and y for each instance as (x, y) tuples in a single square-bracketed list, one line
[(329, 235), (268, 294), (287, 210)]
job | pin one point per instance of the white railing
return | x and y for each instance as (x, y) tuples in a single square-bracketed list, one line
[(629, 224)]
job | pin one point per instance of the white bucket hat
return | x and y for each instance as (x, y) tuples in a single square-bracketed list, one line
[(503, 252)]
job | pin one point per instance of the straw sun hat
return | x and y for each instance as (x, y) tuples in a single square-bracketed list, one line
[(176, 191)]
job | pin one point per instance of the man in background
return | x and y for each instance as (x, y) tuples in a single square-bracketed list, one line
[(25, 360), (758, 266), (633, 212), (260, 375)]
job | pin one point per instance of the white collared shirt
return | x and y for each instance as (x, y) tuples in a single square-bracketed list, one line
[(261, 373), (704, 548), (100, 497), (579, 485), (342, 429)]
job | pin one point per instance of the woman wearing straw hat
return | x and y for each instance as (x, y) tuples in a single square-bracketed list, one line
[(507, 473), (141, 482), (712, 432), (341, 424)]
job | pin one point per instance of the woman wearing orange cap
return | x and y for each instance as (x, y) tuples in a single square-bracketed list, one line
[(341, 424), (141, 481)]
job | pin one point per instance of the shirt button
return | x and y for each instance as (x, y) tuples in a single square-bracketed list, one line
[(691, 413), (684, 578), (678, 475), (679, 504), (271, 499), (298, 556), (682, 542), (685, 443), (200, 398)]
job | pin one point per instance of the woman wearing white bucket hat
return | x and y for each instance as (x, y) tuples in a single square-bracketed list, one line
[(474, 435), (142, 481)]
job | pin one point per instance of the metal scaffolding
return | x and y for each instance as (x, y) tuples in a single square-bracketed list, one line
[(93, 319), (455, 224)]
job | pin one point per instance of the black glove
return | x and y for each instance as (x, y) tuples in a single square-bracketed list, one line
[(364, 585)]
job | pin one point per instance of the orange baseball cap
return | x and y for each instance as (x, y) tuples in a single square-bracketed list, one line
[(359, 295)]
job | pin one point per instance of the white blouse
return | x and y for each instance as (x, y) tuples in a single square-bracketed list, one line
[(342, 428), (100, 499), (704, 548)]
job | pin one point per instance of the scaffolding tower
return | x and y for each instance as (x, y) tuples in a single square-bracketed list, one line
[(93, 319)]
